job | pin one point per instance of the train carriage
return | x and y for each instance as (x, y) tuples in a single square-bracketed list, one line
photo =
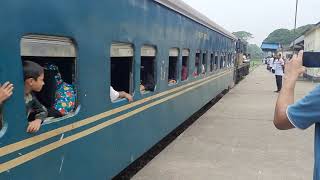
[(97, 45)]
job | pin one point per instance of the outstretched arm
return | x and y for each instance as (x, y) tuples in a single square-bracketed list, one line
[(5, 91), (286, 96), (123, 94)]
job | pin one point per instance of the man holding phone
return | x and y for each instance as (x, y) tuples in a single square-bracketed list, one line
[(301, 114)]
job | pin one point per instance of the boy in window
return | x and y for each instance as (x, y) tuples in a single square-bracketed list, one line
[(33, 81)]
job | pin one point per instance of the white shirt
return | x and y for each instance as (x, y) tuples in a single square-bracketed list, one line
[(114, 95), (272, 63), (268, 61), (278, 63), (203, 69)]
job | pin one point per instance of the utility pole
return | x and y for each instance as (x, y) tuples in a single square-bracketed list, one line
[(295, 26)]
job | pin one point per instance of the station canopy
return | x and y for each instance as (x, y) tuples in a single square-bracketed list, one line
[(270, 46)]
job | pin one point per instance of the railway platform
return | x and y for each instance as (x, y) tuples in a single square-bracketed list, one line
[(236, 139)]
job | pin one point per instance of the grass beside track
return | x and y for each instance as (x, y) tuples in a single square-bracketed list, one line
[(254, 63)]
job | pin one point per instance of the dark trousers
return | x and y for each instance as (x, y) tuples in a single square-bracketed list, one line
[(279, 82)]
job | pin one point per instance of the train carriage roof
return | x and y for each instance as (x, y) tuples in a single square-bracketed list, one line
[(186, 10)]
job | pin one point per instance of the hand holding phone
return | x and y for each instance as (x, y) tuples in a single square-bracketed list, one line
[(311, 59)]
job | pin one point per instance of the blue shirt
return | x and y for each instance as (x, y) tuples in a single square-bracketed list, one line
[(303, 114)]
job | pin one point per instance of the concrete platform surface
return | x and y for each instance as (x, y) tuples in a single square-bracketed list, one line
[(236, 140)]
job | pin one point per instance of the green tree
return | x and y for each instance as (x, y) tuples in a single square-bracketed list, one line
[(255, 51), (286, 36), (243, 35)]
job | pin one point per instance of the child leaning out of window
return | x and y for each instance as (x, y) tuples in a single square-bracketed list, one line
[(33, 81)]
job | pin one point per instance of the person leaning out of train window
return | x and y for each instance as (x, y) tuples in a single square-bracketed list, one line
[(244, 57), (115, 95), (33, 82)]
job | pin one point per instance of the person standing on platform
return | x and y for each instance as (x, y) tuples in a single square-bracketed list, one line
[(272, 59), (269, 63), (278, 71)]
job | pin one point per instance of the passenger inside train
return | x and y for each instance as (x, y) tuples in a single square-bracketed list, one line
[(216, 59), (221, 62), (211, 63), (147, 80), (120, 79), (203, 70), (203, 64), (185, 63), (122, 83), (196, 66), (184, 70), (115, 95), (56, 56), (58, 94), (173, 66), (33, 75), (147, 68)]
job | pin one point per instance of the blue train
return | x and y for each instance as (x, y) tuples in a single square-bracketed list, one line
[(95, 45)]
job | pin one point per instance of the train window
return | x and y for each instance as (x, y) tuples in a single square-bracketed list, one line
[(221, 61), (185, 64), (173, 65), (224, 60), (197, 68), (227, 60), (204, 63), (216, 60), (121, 67), (147, 69), (58, 57), (211, 62), (233, 60)]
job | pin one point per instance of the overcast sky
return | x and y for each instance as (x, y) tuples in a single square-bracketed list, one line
[(259, 17)]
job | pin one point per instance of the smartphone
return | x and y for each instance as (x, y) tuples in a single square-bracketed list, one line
[(311, 59)]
